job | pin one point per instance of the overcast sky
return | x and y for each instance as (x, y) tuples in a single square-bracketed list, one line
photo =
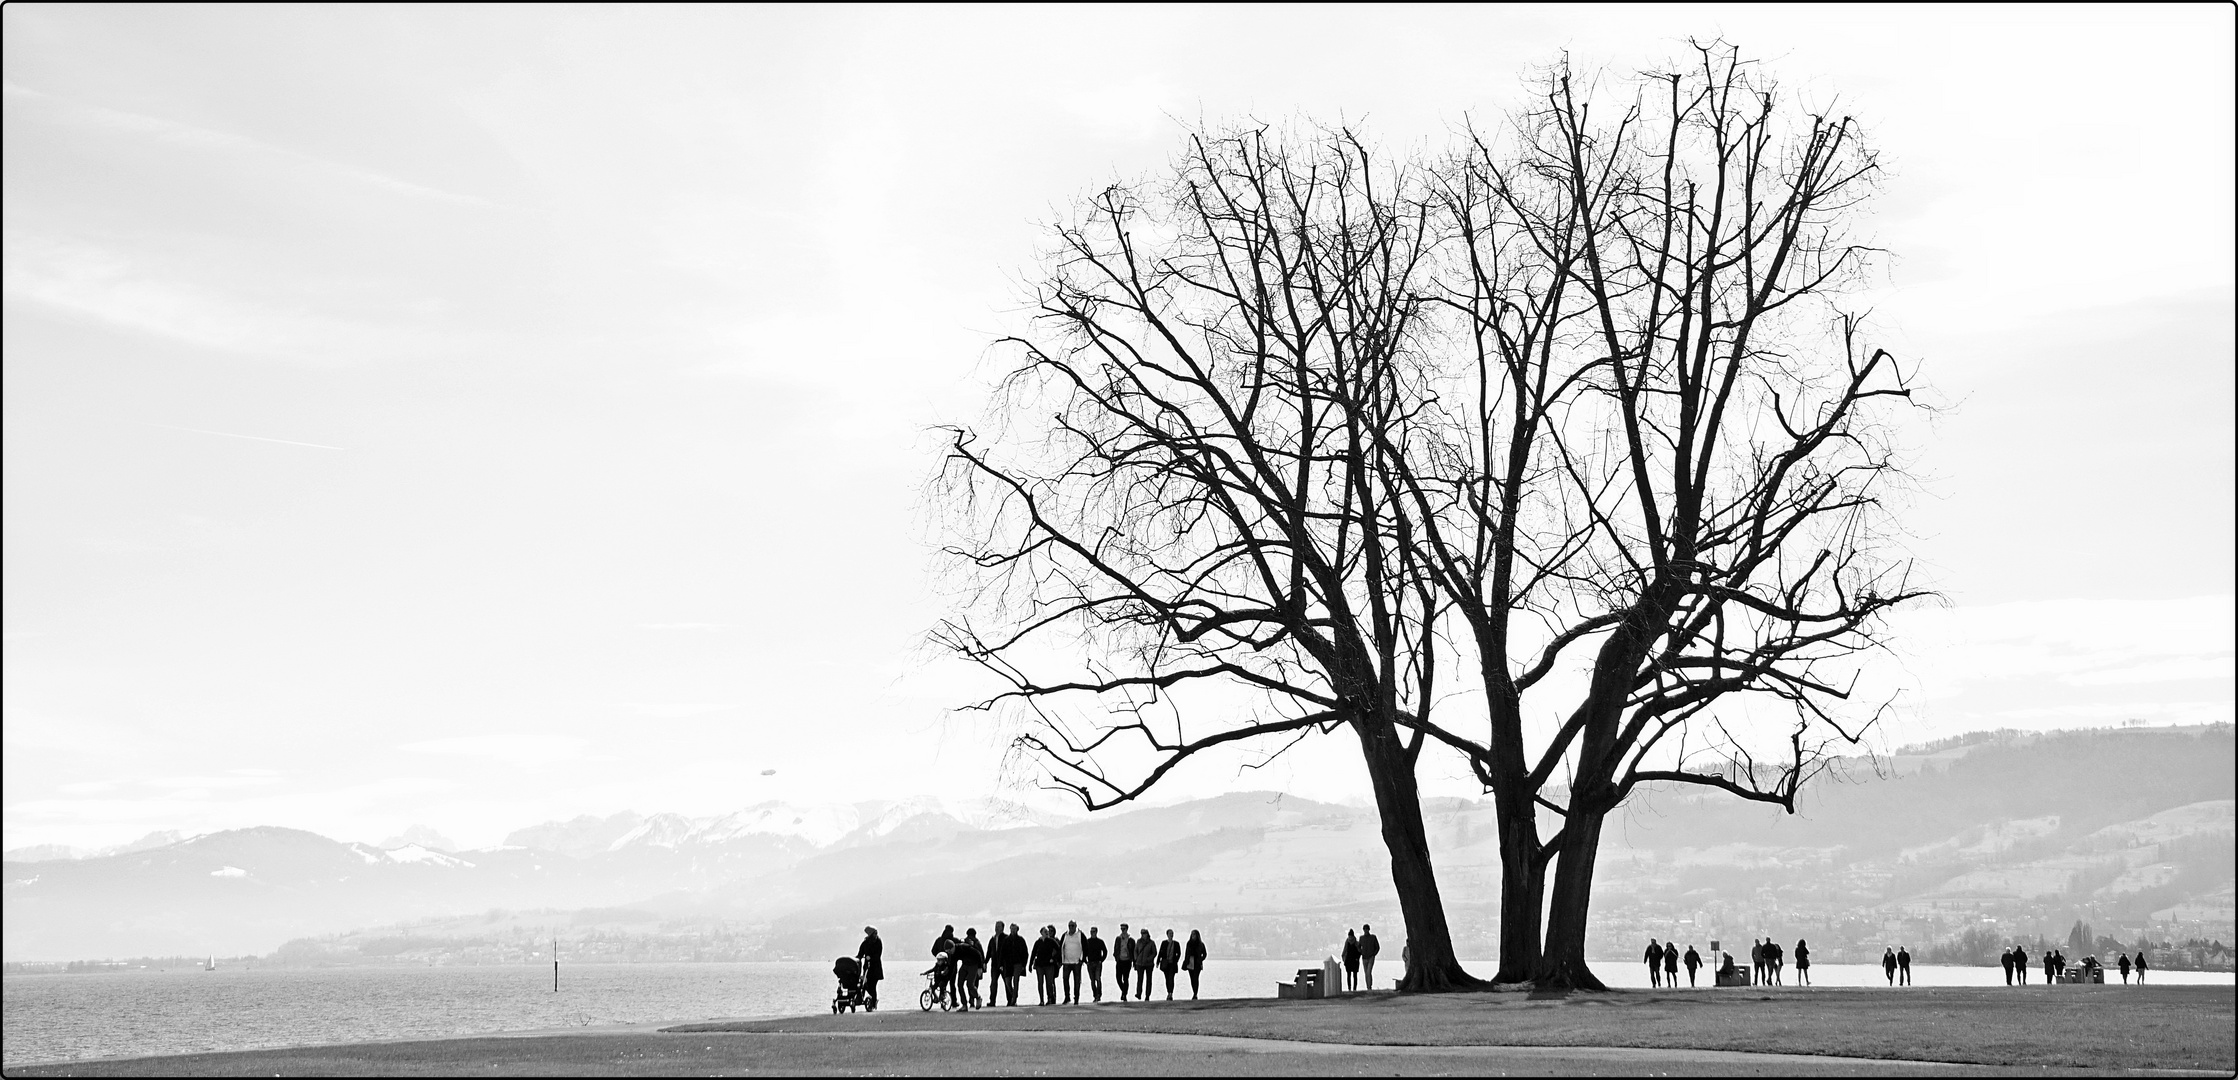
[(478, 416)]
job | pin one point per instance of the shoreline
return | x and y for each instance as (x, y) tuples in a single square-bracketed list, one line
[(1973, 1031)]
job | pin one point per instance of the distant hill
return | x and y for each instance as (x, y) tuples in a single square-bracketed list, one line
[(2119, 828)]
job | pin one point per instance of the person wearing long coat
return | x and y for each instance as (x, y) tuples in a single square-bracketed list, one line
[(1169, 961), (1802, 961), (1192, 961), (2020, 964), (1670, 965), (874, 968), (1146, 956), (2123, 963), (1351, 955), (1014, 958)]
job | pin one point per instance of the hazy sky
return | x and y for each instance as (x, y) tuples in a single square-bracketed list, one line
[(476, 416)]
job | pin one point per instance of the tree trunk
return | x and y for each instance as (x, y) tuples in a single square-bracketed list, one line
[(1432, 966), (1522, 888), (1562, 965)]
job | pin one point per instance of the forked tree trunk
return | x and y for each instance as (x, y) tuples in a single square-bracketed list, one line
[(1432, 965), (1562, 965)]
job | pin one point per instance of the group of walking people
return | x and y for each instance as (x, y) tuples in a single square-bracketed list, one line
[(1058, 961), (2015, 963), (1767, 963)]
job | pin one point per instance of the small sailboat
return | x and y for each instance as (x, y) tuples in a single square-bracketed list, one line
[(211, 964)]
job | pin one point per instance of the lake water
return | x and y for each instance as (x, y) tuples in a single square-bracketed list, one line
[(116, 1014)]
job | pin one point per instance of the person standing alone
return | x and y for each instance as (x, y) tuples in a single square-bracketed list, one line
[(1802, 962), (1072, 951), (1123, 959), (1369, 947), (1693, 963), (1654, 964)]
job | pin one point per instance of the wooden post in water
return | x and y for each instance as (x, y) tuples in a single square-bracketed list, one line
[(555, 963)]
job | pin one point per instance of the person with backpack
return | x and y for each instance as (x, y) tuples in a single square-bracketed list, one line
[(1192, 961), (1169, 961), (1123, 959), (1146, 957), (1092, 953), (1369, 947)]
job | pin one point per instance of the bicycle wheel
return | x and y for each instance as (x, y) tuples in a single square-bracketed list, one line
[(925, 1000)]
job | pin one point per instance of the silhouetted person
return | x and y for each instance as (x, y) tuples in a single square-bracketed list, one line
[(2006, 960), (1123, 959), (1775, 961), (1888, 965), (1045, 960), (1014, 958), (997, 941), (2123, 963), (1092, 953), (1756, 960), (2020, 964), (1072, 951), (1169, 961), (1351, 956), (872, 951), (1654, 964), (1903, 966), (2141, 967), (1693, 963), (1802, 962), (1192, 961), (1146, 957), (970, 957), (1670, 965), (1369, 947), (2051, 967)]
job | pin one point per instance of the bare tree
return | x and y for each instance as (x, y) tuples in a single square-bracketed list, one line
[(1660, 464), (1184, 540)]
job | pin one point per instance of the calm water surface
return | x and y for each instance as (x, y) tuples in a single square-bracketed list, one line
[(116, 1014)]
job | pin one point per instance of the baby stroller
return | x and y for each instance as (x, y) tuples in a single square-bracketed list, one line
[(940, 982), (849, 997)]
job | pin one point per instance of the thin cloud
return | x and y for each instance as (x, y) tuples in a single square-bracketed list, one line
[(256, 438)]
